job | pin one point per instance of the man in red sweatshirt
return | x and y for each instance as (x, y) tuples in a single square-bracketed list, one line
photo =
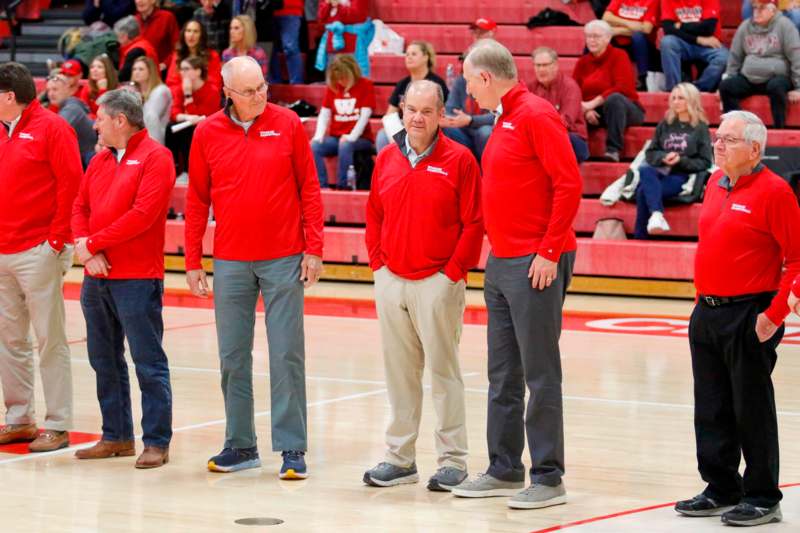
[(40, 168), (119, 220), (159, 27), (424, 232), (252, 162), (531, 191), (748, 253)]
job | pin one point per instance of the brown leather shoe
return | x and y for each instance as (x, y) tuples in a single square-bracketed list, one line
[(108, 448), (18, 433), (153, 457), (49, 440)]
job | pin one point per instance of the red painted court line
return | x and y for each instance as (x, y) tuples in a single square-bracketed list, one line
[(622, 513), (75, 437)]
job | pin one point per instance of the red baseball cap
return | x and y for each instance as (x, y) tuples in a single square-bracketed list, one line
[(483, 23), (71, 67)]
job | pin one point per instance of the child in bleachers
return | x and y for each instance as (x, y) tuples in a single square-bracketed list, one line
[(347, 107)]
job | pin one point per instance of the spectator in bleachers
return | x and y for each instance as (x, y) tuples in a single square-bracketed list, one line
[(346, 12), (108, 11), (565, 95), (286, 29), (215, 15), (681, 146), (483, 28), (75, 112), (634, 23), (790, 8), (132, 45), (764, 59), (420, 61), (102, 78), (156, 96), (348, 105), (192, 102), (692, 33), (159, 27), (194, 43), (243, 42), (72, 70), (608, 87)]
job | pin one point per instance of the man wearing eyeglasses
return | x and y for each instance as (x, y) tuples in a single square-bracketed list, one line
[(748, 253), (39, 176), (565, 95), (252, 162)]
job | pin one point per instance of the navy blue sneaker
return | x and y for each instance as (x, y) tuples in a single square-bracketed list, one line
[(234, 459), (294, 465)]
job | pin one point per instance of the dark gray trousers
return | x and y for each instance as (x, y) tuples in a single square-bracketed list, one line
[(523, 332)]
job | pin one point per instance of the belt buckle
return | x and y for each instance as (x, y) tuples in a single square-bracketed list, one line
[(711, 301)]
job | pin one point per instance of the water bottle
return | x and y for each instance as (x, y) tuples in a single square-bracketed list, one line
[(351, 178), (450, 77)]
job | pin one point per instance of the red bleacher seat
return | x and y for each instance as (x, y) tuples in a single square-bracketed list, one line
[(465, 11)]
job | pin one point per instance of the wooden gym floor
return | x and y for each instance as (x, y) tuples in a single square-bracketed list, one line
[(628, 417)]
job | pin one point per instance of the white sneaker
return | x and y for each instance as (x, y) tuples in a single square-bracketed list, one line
[(657, 223)]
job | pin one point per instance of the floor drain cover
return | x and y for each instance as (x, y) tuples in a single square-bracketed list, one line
[(259, 521)]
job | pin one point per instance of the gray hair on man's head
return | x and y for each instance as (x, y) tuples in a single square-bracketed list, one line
[(490, 56), (754, 128), (233, 64), (545, 50), (123, 102), (599, 25), (427, 85), (129, 26)]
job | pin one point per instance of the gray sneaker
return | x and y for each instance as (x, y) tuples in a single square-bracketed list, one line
[(388, 475), (446, 478), (537, 496), (485, 486)]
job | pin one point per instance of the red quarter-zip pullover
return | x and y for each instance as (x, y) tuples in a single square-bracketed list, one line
[(610, 72), (122, 207), (161, 30), (428, 218), (531, 183), (749, 239), (40, 169), (263, 185)]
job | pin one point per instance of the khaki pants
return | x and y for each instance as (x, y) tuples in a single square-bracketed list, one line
[(31, 285), (421, 323)]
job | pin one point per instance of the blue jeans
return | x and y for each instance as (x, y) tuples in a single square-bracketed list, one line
[(641, 50), (654, 187), (473, 138), (675, 50), (237, 285), (331, 146), (288, 29), (579, 146), (116, 309), (793, 14)]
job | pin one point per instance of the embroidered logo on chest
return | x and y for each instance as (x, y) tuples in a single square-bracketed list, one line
[(741, 208), (437, 170), (507, 126), (131, 162), (26, 136), (269, 133)]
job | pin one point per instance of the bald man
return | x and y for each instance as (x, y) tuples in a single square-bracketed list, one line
[(424, 232), (252, 162)]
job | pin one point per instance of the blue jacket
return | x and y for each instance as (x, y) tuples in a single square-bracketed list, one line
[(364, 33)]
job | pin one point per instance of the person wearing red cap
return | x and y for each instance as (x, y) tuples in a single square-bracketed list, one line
[(530, 192), (39, 176), (483, 28), (748, 254)]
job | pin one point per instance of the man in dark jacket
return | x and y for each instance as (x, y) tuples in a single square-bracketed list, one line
[(75, 112)]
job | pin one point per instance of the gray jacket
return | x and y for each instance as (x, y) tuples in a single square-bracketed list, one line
[(76, 113), (761, 52)]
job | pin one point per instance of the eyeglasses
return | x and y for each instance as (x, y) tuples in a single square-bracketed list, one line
[(595, 35), (727, 141), (250, 93)]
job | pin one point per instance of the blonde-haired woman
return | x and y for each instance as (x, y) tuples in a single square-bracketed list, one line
[(243, 42), (156, 96), (349, 101), (681, 146)]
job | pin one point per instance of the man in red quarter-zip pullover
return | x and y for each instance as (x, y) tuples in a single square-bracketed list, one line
[(40, 168), (531, 191), (119, 219), (252, 162), (748, 253), (424, 232)]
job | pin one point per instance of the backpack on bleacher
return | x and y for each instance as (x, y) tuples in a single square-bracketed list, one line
[(105, 43)]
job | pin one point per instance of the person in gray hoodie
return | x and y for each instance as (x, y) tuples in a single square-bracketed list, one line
[(764, 59), (75, 112)]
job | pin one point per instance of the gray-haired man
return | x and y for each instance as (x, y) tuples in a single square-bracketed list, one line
[(119, 220)]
